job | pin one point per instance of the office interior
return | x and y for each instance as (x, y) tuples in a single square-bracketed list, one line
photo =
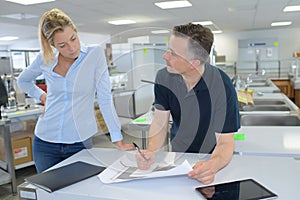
[(262, 60)]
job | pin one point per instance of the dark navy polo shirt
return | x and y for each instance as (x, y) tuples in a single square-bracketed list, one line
[(211, 107)]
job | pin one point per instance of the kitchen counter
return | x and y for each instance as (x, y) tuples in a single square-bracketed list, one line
[(270, 88), (269, 141), (277, 96), (273, 96)]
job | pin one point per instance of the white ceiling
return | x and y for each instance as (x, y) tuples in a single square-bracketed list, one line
[(92, 15)]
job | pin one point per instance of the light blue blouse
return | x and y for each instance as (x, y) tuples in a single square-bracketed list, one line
[(69, 115)]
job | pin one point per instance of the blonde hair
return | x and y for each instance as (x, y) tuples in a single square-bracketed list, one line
[(52, 22)]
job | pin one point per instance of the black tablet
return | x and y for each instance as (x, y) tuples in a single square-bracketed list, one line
[(247, 189)]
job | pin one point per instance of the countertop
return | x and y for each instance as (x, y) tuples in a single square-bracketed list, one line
[(275, 173), (269, 141)]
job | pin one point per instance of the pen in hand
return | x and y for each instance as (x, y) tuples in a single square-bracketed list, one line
[(139, 150)]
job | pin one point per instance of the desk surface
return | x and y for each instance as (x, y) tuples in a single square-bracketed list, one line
[(279, 174), (269, 141)]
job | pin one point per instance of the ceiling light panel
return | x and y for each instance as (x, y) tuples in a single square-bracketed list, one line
[(20, 16), (173, 4), (217, 32), (160, 31), (29, 2), (204, 23), (281, 23), (8, 38), (122, 22), (291, 8)]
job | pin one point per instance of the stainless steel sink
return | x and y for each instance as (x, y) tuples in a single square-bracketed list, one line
[(259, 84), (259, 80), (266, 108), (270, 120), (268, 102)]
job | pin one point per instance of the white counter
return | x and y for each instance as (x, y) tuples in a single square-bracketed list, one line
[(279, 174), (269, 141)]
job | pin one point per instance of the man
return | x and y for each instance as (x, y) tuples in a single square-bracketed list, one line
[(201, 100)]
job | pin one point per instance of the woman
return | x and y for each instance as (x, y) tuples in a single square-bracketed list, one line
[(74, 75)]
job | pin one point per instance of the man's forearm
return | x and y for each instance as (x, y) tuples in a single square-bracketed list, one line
[(223, 152), (157, 136)]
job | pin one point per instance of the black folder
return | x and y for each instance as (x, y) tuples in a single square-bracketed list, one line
[(64, 176)]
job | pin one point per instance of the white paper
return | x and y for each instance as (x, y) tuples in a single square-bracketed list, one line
[(125, 169)]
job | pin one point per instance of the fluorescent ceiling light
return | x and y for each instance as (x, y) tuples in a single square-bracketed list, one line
[(281, 23), (20, 16), (160, 31), (8, 38), (291, 8), (204, 23), (173, 4), (218, 31), (29, 2), (122, 22)]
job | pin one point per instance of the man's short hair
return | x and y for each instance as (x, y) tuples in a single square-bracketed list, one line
[(200, 39)]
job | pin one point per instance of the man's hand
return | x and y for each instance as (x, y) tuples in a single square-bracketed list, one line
[(141, 162), (124, 147), (204, 171)]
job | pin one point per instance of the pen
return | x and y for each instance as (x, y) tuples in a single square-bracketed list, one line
[(139, 150)]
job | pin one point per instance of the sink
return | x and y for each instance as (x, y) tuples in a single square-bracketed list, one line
[(266, 108), (259, 84), (270, 120), (259, 80), (268, 102)]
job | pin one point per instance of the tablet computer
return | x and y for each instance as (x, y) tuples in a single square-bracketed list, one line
[(247, 189)]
